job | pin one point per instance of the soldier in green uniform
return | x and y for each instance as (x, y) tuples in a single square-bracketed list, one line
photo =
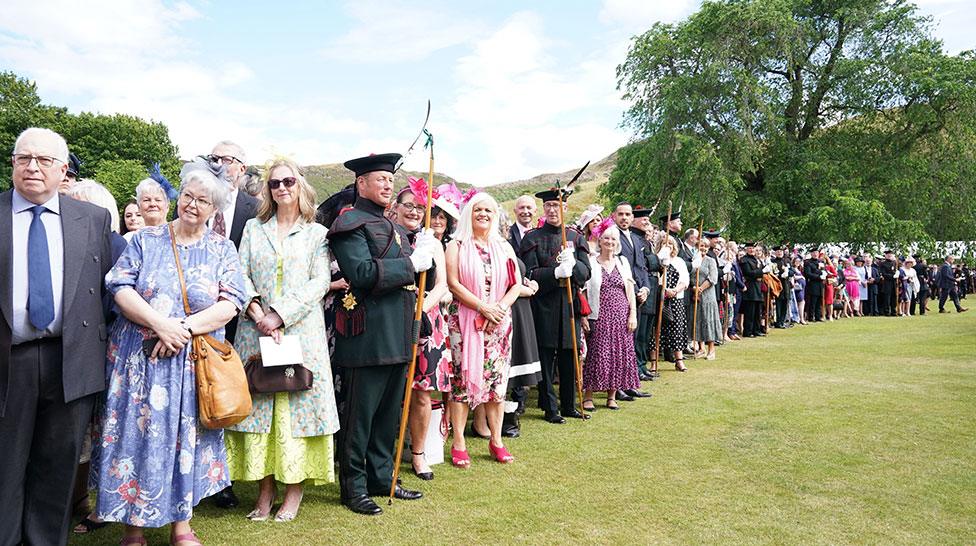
[(374, 333), (548, 264)]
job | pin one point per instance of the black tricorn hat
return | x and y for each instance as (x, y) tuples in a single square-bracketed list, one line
[(552, 194), (711, 234), (641, 212), (373, 162), (675, 215), (749, 243), (74, 165), (858, 259)]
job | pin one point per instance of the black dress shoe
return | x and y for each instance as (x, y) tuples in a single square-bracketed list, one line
[(645, 377), (575, 414), (655, 373), (637, 393), (510, 425), (555, 418), (362, 505), (402, 494), (225, 498), (624, 397)]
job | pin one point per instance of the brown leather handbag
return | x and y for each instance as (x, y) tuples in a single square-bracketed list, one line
[(271, 379), (222, 394)]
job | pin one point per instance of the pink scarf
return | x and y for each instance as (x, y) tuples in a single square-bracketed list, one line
[(472, 277)]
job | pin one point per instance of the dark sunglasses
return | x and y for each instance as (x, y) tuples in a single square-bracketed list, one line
[(287, 182)]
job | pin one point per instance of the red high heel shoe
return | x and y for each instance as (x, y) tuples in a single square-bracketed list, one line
[(501, 454), (460, 458)]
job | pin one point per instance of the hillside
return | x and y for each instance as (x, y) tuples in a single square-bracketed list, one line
[(330, 178)]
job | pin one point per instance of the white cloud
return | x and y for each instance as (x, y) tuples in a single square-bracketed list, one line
[(639, 15), (136, 62), (402, 32), (522, 109)]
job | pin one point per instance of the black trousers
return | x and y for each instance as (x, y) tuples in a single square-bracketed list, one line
[(750, 315), (887, 296), (920, 299), (945, 294), (561, 360), (368, 428), (642, 341), (782, 307), (814, 306), (41, 438)]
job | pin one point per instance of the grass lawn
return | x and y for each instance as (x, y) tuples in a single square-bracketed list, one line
[(857, 431)]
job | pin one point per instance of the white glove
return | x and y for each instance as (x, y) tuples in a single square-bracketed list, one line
[(768, 268), (727, 268), (665, 256), (566, 255), (565, 269), (823, 276), (422, 259), (696, 263), (426, 239)]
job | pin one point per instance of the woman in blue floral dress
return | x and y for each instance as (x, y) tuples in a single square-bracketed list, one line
[(152, 462)]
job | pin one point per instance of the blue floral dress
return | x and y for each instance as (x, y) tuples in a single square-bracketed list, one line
[(152, 462)]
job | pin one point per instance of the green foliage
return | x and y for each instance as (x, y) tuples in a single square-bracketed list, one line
[(121, 176), (95, 138), (803, 121)]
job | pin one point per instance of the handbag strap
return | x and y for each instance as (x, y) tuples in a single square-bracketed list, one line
[(179, 269)]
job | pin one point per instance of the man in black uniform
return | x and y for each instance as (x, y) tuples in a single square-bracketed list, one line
[(783, 271), (549, 264), (648, 311), (815, 273), (752, 297), (922, 298), (873, 278), (889, 269), (374, 333), (632, 247)]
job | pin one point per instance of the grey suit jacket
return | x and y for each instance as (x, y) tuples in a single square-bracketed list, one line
[(87, 258)]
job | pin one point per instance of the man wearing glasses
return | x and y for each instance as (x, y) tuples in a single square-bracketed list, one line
[(54, 254), (241, 206)]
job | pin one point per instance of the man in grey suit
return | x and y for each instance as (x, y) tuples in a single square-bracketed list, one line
[(54, 254)]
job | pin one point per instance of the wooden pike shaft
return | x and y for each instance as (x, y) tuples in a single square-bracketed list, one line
[(578, 367), (656, 355), (694, 313), (417, 314)]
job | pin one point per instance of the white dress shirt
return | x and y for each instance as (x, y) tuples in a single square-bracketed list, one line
[(228, 213), (22, 330)]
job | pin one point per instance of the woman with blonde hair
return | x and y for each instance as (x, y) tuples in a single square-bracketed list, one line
[(483, 276), (674, 328), (285, 261)]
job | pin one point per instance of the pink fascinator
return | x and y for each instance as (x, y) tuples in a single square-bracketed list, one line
[(600, 228), (418, 187)]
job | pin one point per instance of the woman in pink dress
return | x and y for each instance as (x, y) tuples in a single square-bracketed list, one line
[(483, 276), (852, 283)]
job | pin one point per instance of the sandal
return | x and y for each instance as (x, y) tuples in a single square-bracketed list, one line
[(501, 454), (612, 404), (460, 458), (679, 365), (284, 516), (426, 476), (87, 525), (190, 537), (589, 407)]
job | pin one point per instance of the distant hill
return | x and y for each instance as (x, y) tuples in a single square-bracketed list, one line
[(330, 178)]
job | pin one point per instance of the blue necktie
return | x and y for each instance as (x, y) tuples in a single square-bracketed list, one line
[(40, 297)]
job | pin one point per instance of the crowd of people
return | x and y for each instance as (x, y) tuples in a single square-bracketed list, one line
[(97, 383)]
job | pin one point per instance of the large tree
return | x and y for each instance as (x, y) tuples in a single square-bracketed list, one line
[(95, 138), (803, 120)]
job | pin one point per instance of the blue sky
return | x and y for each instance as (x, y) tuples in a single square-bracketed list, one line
[(518, 88)]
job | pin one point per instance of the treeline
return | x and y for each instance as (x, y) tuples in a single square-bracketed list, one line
[(115, 149)]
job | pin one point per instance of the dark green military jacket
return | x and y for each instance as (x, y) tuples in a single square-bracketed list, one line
[(539, 249), (373, 254)]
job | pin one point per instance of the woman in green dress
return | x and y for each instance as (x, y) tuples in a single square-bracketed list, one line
[(288, 436)]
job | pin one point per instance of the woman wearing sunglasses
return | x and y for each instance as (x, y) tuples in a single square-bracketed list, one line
[(285, 260)]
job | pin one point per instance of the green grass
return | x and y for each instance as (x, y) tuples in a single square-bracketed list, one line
[(858, 431)]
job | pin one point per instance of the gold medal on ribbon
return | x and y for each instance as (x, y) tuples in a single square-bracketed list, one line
[(349, 301), (396, 237)]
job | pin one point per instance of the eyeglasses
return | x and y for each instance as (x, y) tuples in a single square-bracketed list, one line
[(225, 159), (286, 182), (23, 160), (551, 206), (188, 200), (412, 207)]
